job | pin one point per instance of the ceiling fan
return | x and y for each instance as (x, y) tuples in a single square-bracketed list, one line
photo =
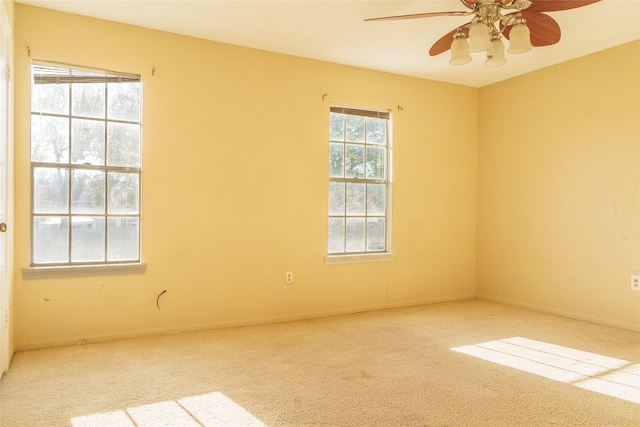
[(526, 27)]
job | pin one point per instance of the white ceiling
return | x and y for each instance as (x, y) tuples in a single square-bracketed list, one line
[(335, 31)]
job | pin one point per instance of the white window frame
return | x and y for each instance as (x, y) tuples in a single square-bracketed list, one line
[(385, 254), (74, 75)]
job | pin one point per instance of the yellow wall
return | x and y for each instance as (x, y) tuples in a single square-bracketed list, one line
[(558, 188), (235, 163)]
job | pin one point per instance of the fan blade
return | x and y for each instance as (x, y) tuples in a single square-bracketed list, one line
[(557, 5), (469, 3), (545, 31), (419, 15), (444, 44)]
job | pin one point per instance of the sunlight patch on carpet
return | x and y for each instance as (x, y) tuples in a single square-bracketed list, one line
[(211, 409), (590, 371)]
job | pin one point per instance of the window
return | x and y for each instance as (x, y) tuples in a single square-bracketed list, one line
[(359, 182), (85, 166)]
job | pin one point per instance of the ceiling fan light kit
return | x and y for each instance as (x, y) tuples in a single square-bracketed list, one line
[(459, 50), (485, 38), (520, 39), (479, 37), (489, 25), (495, 55)]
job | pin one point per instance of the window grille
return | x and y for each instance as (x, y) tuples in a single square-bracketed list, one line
[(359, 181), (85, 166)]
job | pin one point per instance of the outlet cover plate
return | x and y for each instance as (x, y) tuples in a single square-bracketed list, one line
[(635, 282)]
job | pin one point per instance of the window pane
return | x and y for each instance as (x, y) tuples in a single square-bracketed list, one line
[(123, 239), (336, 160), (49, 139), (375, 162), (50, 239), (376, 199), (48, 98), (88, 99), (87, 191), (123, 142), (87, 237), (355, 128), (355, 234), (336, 129), (85, 162), (358, 182), (87, 142), (336, 198), (336, 235), (356, 199), (354, 161), (124, 101), (375, 234), (50, 190), (124, 190), (376, 130)]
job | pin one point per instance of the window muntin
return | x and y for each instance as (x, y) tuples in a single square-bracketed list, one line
[(85, 166), (359, 152)]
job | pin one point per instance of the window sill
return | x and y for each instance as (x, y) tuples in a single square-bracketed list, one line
[(33, 273), (359, 258)]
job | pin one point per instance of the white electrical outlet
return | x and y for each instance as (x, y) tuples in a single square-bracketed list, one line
[(635, 283), (288, 276)]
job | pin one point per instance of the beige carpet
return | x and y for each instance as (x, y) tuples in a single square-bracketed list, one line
[(468, 363)]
